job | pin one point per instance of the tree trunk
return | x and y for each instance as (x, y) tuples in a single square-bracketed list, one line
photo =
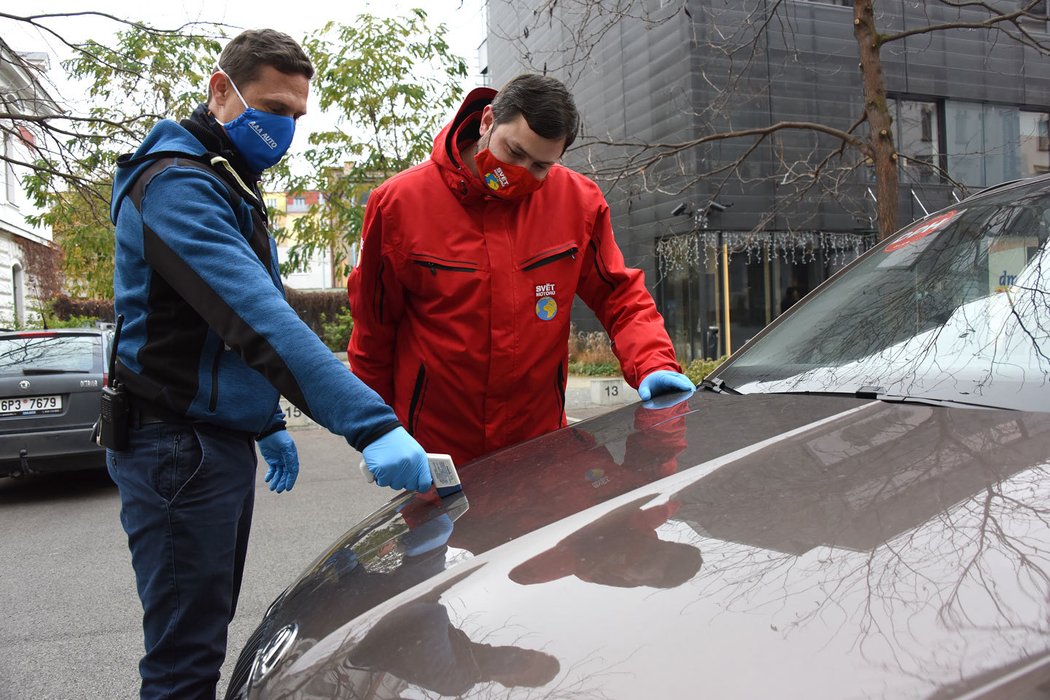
[(883, 153)]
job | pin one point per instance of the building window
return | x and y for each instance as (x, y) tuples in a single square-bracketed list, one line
[(271, 203), (989, 144), (764, 275), (1002, 136), (966, 144), (18, 294), (927, 124), (3, 170), (1034, 143), (10, 178), (299, 201), (918, 140)]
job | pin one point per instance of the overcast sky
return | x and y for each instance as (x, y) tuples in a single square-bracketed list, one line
[(295, 17)]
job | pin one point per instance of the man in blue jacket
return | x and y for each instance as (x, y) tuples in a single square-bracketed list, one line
[(207, 347)]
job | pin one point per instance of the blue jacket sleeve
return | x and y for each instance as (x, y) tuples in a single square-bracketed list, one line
[(194, 240)]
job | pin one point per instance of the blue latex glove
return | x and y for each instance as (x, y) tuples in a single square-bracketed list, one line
[(664, 381), (396, 460), (279, 451)]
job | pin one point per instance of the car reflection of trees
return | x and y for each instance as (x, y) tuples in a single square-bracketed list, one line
[(417, 644), (59, 353), (897, 516), (930, 290)]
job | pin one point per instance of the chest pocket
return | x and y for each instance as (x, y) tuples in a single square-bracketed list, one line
[(432, 277), (553, 273), (549, 257)]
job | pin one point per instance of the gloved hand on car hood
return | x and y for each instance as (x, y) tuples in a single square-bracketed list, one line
[(396, 460), (279, 451), (663, 381)]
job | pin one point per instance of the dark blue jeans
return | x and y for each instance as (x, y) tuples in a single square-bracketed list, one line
[(187, 493)]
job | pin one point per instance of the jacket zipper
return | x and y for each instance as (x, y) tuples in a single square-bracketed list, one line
[(603, 275), (570, 253), (559, 389), (416, 405), (434, 267), (214, 400)]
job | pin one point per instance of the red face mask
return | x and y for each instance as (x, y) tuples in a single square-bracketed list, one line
[(504, 180)]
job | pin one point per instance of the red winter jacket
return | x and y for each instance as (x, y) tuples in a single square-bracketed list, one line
[(461, 300)]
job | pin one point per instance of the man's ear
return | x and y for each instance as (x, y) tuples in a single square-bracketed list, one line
[(219, 94), (487, 120)]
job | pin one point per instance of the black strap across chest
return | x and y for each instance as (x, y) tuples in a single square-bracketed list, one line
[(236, 191)]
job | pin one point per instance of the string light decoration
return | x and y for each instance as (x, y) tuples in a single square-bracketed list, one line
[(695, 249)]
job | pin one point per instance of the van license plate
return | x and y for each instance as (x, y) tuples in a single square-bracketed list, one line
[(30, 405)]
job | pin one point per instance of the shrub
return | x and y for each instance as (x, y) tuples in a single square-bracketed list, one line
[(49, 322), (62, 311), (591, 355), (336, 333), (700, 368), (320, 308), (327, 313), (595, 369)]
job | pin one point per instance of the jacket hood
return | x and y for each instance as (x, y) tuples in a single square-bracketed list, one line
[(166, 137), (463, 129)]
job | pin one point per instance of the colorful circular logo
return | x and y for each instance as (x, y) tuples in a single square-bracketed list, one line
[(594, 475), (546, 308), (492, 181)]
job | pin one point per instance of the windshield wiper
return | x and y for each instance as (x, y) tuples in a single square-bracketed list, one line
[(875, 393), (43, 370), (928, 401), (864, 392), (718, 386)]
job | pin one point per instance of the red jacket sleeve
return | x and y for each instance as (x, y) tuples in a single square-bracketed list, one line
[(617, 295), (376, 304)]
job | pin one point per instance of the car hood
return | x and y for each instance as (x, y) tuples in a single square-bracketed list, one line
[(738, 546)]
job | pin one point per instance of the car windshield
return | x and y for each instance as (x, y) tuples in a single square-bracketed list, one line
[(46, 354), (952, 309)]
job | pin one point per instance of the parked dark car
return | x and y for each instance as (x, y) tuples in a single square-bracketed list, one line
[(856, 504), (50, 385)]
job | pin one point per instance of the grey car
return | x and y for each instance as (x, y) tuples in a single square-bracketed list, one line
[(856, 504), (50, 385)]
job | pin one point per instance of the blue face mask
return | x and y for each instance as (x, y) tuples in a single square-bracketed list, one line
[(261, 138)]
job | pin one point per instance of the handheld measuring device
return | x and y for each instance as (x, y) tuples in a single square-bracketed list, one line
[(442, 471)]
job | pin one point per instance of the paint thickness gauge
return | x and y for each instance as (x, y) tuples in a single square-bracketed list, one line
[(442, 471)]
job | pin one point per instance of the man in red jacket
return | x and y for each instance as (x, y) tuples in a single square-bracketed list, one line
[(468, 268)]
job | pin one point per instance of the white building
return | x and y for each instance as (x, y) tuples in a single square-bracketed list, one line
[(21, 93)]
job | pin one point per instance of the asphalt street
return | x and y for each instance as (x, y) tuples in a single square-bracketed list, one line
[(70, 620)]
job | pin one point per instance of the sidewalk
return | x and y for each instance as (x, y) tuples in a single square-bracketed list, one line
[(586, 397)]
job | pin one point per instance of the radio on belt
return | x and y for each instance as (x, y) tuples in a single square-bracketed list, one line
[(442, 471)]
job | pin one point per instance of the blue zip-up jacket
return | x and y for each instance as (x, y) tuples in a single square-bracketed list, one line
[(207, 332)]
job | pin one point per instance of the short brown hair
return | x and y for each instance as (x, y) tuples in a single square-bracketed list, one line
[(252, 49), (545, 102)]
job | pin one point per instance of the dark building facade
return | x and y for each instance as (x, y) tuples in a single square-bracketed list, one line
[(731, 231)]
